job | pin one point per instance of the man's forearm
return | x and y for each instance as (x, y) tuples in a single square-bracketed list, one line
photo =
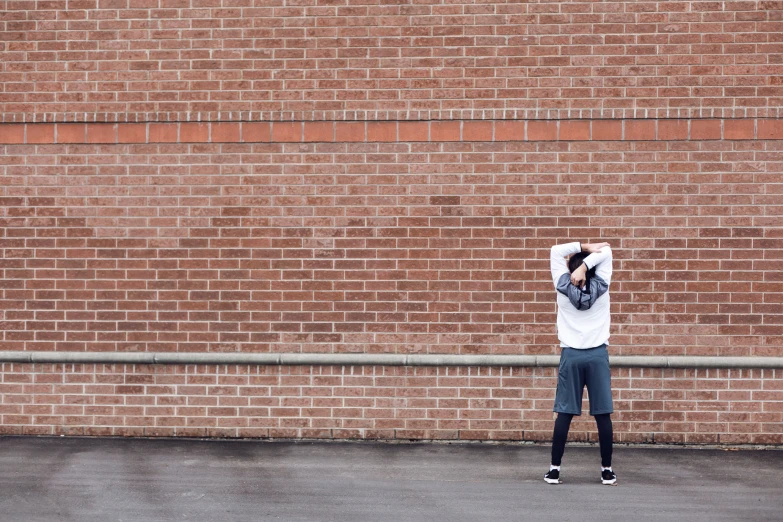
[(596, 258), (566, 249), (592, 247)]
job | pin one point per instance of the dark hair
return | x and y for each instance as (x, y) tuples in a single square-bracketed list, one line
[(575, 261)]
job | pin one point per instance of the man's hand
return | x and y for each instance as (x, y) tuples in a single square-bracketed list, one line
[(593, 247), (578, 276)]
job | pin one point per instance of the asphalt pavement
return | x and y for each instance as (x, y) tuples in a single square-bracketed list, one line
[(99, 479)]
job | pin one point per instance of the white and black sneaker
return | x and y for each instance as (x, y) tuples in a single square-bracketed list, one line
[(608, 477), (553, 477)]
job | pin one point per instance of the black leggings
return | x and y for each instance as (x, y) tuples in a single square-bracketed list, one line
[(605, 436)]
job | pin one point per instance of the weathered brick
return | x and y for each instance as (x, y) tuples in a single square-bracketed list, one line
[(194, 132), (349, 131), (544, 70), (575, 130), (706, 130), (445, 131), (163, 132), (101, 133), (132, 133), (287, 131), (412, 131), (12, 133), (340, 203), (385, 131), (224, 132), (542, 130), (71, 133)]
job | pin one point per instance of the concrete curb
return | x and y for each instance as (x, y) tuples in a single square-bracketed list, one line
[(369, 359)]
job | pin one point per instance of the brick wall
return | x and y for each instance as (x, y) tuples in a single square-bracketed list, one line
[(273, 241), (185, 60), (371, 402), (262, 177), (407, 247)]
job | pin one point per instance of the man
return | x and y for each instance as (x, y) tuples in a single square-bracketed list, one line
[(583, 329)]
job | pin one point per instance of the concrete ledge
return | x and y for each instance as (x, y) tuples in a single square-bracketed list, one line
[(369, 359)]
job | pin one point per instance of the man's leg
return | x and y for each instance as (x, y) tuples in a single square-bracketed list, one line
[(568, 398), (599, 386), (605, 436), (562, 424)]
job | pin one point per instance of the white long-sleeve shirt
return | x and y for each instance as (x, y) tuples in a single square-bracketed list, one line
[(582, 328)]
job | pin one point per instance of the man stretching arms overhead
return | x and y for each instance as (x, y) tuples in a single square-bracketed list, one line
[(582, 287)]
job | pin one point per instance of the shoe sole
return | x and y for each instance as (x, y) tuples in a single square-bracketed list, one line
[(553, 481), (608, 482)]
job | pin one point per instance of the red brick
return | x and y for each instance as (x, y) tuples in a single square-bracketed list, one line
[(306, 248), (445, 130), (574, 75), (71, 133), (705, 129), (40, 133), (738, 129), (383, 131), (287, 131), (163, 132), (194, 132), (607, 130), (542, 130), (509, 130), (576, 130), (101, 133), (349, 131), (132, 133), (256, 132), (224, 132), (642, 130), (477, 131), (12, 133), (414, 131), (672, 130), (770, 129), (319, 131)]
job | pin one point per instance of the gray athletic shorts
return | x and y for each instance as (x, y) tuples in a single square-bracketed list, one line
[(579, 368)]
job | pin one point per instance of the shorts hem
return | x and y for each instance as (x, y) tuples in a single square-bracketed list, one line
[(568, 412)]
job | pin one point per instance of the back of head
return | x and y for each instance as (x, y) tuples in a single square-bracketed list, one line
[(575, 261)]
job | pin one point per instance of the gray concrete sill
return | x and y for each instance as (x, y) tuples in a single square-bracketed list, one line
[(367, 359)]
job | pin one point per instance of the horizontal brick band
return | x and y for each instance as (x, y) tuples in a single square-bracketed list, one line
[(385, 115), (361, 359), (692, 406), (380, 115), (393, 131)]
